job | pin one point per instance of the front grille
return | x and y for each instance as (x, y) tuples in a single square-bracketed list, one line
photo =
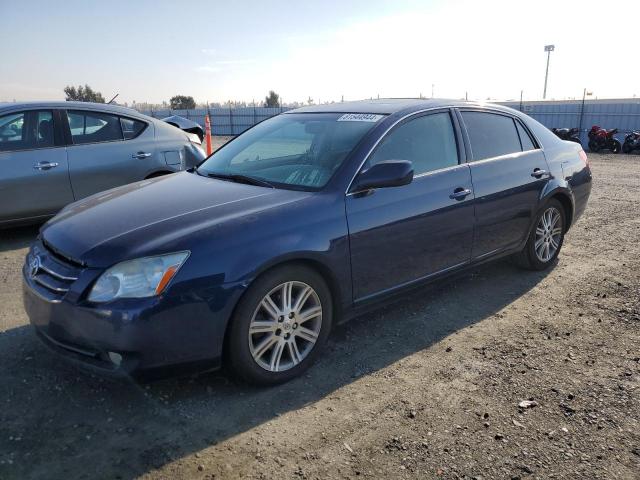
[(50, 273)]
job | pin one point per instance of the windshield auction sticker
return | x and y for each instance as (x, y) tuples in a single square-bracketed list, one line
[(360, 117)]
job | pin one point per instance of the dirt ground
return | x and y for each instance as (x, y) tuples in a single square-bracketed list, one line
[(429, 387)]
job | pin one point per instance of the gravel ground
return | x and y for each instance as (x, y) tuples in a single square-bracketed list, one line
[(498, 373)]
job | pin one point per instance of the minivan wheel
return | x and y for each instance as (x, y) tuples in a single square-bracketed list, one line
[(546, 238), (279, 326)]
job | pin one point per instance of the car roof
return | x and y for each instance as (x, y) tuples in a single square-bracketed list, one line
[(107, 107), (388, 106)]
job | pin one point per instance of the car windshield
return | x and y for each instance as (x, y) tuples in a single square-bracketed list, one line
[(296, 150)]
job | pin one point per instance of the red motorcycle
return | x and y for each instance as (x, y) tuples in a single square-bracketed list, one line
[(602, 139)]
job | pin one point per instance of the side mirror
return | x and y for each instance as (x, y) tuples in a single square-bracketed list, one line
[(389, 173)]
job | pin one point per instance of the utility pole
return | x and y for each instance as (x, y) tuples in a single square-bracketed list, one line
[(548, 49), (584, 95), (521, 99)]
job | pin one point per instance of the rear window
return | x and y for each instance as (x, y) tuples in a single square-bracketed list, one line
[(491, 134)]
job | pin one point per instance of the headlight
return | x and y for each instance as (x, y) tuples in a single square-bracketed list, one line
[(142, 277)]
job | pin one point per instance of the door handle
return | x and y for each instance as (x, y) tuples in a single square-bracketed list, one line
[(459, 193), (45, 165), (140, 155), (537, 173)]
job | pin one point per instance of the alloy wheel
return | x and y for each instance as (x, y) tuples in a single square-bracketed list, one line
[(548, 234), (285, 326)]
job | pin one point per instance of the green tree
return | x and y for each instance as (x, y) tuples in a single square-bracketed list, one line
[(182, 102), (272, 100), (82, 94)]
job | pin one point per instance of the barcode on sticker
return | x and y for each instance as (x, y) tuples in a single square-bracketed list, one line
[(360, 117)]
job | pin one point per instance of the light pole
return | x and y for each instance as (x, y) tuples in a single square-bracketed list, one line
[(548, 49), (584, 95)]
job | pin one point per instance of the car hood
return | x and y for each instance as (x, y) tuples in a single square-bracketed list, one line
[(153, 216)]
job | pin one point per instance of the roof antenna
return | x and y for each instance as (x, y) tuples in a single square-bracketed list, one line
[(110, 101)]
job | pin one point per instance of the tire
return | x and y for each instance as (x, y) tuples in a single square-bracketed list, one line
[(279, 349), (593, 146), (615, 146), (626, 148), (531, 259)]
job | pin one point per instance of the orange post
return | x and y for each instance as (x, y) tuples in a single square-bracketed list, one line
[(207, 134)]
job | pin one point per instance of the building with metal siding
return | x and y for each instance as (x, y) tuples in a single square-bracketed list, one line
[(623, 114)]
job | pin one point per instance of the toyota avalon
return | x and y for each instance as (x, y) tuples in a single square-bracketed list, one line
[(303, 221)]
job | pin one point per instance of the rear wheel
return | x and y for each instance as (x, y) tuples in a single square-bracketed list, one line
[(546, 238), (615, 146), (280, 325)]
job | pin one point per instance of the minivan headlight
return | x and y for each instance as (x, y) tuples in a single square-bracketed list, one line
[(142, 277)]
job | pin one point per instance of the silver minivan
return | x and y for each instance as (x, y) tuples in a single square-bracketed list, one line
[(54, 153)]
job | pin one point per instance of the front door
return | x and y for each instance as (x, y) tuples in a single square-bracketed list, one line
[(34, 174), (402, 234)]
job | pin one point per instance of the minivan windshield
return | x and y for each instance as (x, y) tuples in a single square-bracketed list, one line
[(296, 150)]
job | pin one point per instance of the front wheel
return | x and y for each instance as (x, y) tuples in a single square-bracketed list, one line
[(546, 238), (626, 147), (279, 326), (593, 146)]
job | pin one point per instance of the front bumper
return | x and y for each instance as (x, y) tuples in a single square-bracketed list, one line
[(129, 336)]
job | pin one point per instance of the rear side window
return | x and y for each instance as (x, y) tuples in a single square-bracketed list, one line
[(491, 135), (428, 142), (94, 127), (131, 128), (26, 130), (525, 138)]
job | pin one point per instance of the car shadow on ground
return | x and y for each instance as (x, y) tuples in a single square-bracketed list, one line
[(60, 422)]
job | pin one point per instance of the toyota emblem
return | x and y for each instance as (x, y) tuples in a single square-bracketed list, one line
[(34, 266)]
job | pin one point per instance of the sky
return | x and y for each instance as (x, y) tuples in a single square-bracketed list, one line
[(216, 51)]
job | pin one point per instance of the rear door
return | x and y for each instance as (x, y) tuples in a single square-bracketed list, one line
[(403, 234), (34, 173), (509, 172), (107, 150)]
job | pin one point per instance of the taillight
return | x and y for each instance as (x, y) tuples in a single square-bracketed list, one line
[(584, 158)]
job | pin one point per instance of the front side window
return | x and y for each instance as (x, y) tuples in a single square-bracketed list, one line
[(491, 134), (428, 142), (296, 150), (93, 127), (26, 130)]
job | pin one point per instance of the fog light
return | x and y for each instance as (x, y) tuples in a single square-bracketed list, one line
[(115, 358)]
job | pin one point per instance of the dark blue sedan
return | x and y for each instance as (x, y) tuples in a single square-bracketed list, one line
[(303, 221)]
